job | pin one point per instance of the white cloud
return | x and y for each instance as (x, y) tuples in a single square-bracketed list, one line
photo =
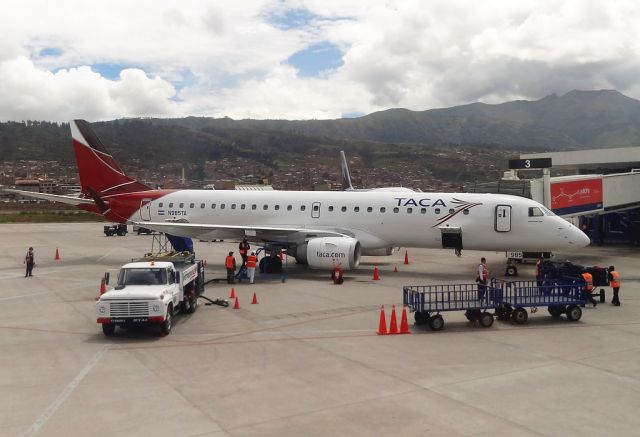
[(197, 57)]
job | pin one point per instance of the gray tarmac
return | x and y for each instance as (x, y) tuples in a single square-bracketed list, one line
[(306, 360)]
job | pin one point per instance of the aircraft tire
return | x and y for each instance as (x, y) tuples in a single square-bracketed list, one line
[(165, 327)]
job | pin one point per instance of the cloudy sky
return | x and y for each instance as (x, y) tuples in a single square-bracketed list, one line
[(302, 59)]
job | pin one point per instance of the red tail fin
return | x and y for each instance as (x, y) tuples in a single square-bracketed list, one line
[(100, 174)]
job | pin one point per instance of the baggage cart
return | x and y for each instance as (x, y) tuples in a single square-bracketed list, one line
[(428, 301)]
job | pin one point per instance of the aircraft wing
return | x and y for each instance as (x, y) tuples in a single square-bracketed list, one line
[(294, 235), (69, 200)]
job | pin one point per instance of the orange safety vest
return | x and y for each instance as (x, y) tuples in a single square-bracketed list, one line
[(589, 280), (485, 272), (251, 261), (615, 279), (229, 262)]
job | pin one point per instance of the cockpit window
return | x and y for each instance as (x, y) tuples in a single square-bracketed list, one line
[(534, 211), (548, 211)]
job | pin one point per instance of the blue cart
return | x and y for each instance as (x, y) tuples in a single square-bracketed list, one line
[(561, 296), (428, 301)]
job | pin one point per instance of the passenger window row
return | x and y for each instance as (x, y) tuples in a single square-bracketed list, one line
[(330, 208)]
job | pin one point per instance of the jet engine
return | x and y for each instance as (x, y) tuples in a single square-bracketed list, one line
[(384, 251), (328, 252)]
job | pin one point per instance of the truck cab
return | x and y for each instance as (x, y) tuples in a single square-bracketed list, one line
[(152, 292)]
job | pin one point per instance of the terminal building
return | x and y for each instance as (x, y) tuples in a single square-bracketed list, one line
[(598, 190)]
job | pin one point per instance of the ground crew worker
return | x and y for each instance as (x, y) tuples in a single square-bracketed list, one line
[(482, 278), (30, 261), (614, 281), (539, 272), (243, 248), (588, 288), (251, 266), (230, 264), (336, 275)]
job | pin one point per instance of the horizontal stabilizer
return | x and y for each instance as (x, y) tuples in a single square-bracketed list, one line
[(69, 200)]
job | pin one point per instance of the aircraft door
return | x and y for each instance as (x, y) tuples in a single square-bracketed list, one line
[(503, 218), (145, 209), (315, 210)]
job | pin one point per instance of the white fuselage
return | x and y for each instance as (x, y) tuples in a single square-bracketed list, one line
[(376, 219)]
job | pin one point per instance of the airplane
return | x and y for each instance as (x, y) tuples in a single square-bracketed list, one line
[(321, 229)]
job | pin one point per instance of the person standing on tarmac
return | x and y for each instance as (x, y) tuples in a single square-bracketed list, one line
[(30, 261), (588, 288), (614, 281), (251, 266), (243, 248), (482, 278), (230, 264)]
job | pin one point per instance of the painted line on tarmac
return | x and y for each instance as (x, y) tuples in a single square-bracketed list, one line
[(62, 397), (106, 255), (24, 295)]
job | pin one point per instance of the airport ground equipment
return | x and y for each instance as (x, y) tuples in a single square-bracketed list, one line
[(152, 290), (428, 301), (142, 230), (563, 295), (116, 229), (553, 271), (519, 257)]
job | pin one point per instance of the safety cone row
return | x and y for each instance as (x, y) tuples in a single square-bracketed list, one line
[(233, 293), (236, 305), (254, 301), (57, 257), (376, 274), (406, 257), (393, 324)]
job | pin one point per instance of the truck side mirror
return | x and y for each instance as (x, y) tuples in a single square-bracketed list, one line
[(106, 278), (177, 277)]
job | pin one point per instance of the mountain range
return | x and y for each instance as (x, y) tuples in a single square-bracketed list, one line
[(575, 120)]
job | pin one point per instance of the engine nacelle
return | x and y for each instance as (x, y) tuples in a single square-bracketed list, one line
[(384, 251), (328, 252)]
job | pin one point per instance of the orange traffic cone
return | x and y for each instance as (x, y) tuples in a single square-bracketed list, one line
[(393, 325), (395, 269), (404, 326), (233, 293), (103, 288), (57, 257), (406, 257), (236, 305), (376, 274), (382, 327), (255, 299)]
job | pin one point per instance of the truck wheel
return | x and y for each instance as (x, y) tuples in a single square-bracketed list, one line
[(421, 318), (436, 323), (108, 329), (193, 304), (165, 328), (556, 310), (511, 271), (519, 316), (574, 313), (486, 319)]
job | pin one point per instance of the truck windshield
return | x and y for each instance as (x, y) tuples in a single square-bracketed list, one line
[(142, 277)]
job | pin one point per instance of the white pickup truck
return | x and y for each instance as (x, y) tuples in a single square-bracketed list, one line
[(151, 291)]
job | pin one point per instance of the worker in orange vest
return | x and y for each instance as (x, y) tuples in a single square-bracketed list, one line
[(614, 281), (230, 264), (482, 278), (243, 248), (251, 266), (588, 288)]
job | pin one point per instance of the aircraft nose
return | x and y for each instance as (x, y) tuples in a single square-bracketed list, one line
[(582, 239)]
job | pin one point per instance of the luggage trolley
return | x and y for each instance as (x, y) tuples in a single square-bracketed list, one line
[(428, 301), (561, 296)]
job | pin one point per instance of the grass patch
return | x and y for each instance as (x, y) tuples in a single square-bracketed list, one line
[(49, 217)]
